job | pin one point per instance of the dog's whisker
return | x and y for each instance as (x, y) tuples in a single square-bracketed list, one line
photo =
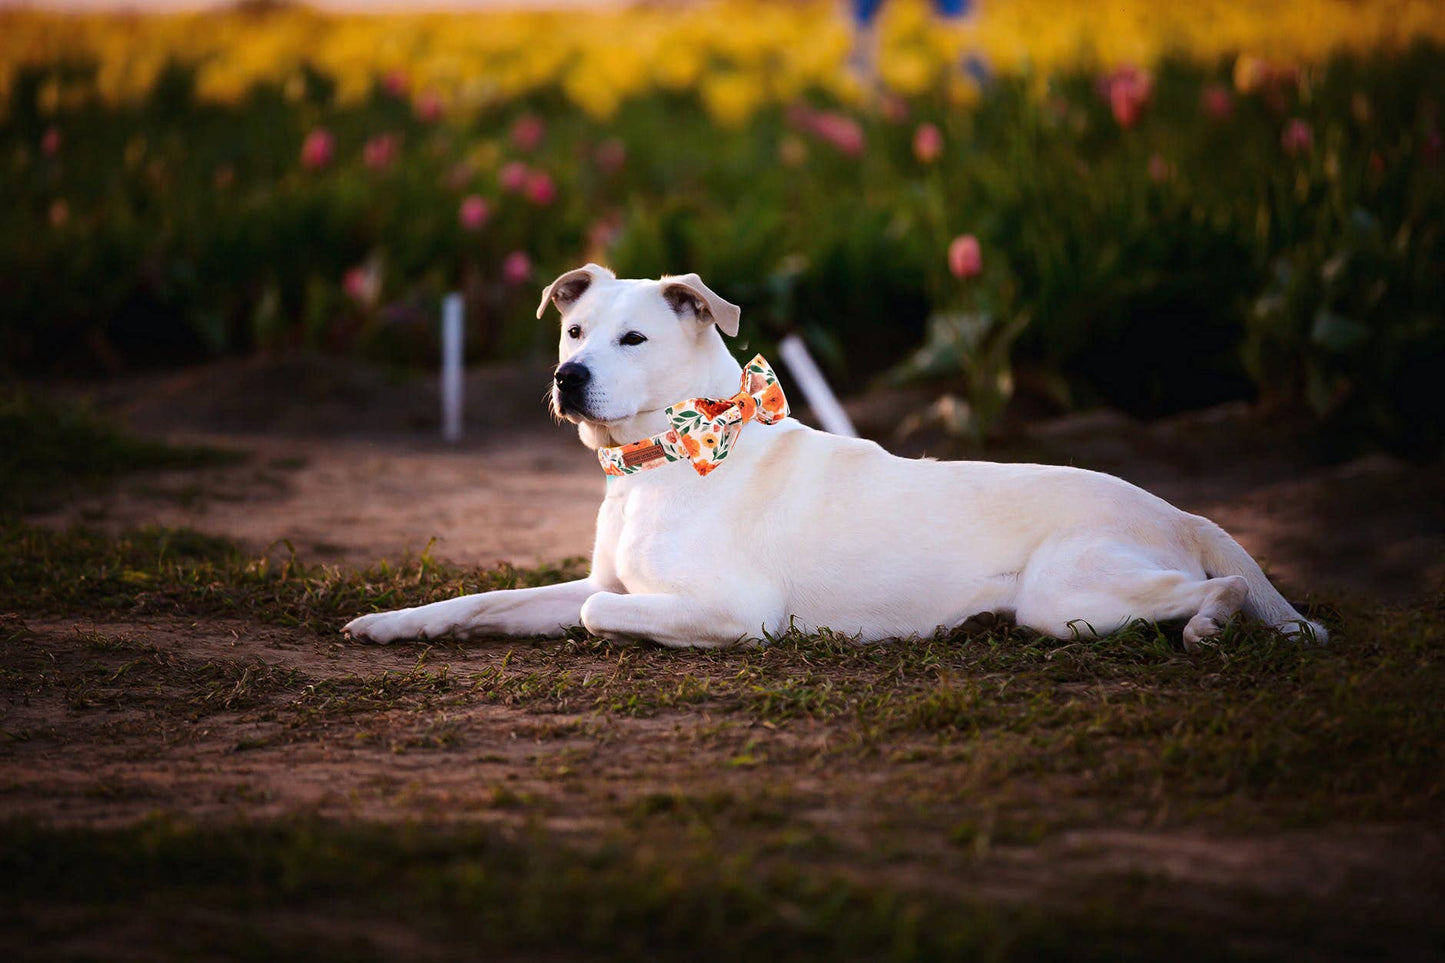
[(549, 398)]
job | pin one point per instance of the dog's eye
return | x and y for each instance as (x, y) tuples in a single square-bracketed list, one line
[(575, 331), (631, 338)]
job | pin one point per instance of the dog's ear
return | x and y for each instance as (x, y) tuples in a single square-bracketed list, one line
[(568, 287), (687, 294)]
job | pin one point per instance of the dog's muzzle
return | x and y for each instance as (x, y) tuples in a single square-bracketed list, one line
[(571, 380)]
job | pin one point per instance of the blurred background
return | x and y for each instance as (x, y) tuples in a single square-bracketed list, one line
[(978, 215), (1172, 206)]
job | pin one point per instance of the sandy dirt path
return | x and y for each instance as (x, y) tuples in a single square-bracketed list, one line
[(342, 462), (356, 502)]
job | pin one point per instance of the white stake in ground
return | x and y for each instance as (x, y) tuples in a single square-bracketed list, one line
[(830, 414), (452, 345)]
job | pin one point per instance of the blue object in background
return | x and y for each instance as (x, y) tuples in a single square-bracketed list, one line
[(976, 67), (865, 10)]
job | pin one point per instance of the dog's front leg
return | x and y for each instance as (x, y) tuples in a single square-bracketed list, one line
[(547, 611), (679, 621)]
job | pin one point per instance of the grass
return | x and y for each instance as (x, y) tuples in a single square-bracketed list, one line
[(483, 891), (809, 797), (1253, 728), (51, 449), (176, 569)]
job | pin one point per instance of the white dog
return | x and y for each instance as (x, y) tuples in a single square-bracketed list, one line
[(799, 527)]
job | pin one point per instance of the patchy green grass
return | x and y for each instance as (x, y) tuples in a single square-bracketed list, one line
[(180, 570), (123, 674), (806, 798), (50, 449), (1258, 727)]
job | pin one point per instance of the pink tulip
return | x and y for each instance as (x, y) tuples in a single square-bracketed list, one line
[(396, 83), (516, 268), (473, 212), (1298, 137), (381, 151), (1159, 168), (528, 131), (1126, 106), (318, 149), (360, 286), (965, 257), (429, 107), (540, 189), (50, 141), (831, 126), (1217, 102), (610, 156), (602, 233), (513, 176), (841, 131), (1128, 91), (927, 143)]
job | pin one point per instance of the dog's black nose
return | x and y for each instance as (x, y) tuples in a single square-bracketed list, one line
[(572, 377)]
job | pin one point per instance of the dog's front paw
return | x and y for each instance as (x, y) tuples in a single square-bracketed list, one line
[(380, 628)]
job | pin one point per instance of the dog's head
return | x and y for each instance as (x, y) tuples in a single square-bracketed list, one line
[(630, 348)]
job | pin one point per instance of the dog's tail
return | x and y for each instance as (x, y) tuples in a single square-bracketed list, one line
[(1222, 555)]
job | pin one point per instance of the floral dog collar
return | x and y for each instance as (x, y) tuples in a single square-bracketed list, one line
[(703, 429)]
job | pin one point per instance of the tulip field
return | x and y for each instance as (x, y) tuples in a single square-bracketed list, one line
[(1155, 209)]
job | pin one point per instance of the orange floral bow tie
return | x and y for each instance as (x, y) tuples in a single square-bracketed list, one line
[(703, 429)]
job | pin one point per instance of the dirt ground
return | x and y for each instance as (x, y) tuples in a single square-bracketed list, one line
[(343, 464), (230, 721), (107, 721)]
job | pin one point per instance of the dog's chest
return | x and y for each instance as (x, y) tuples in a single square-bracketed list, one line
[(661, 536)]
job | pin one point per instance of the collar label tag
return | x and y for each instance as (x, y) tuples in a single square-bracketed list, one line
[(640, 455)]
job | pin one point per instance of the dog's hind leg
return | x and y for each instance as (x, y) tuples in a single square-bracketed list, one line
[(677, 621), (1223, 598), (547, 610), (1092, 589)]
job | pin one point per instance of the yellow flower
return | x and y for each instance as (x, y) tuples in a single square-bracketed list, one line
[(1249, 73), (731, 97), (738, 54), (963, 91), (907, 70)]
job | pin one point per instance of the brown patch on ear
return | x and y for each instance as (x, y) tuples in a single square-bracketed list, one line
[(688, 291), (570, 286), (571, 289), (682, 298)]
